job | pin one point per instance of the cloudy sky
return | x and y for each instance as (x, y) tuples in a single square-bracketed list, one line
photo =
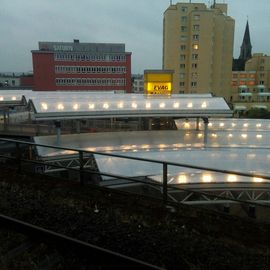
[(137, 23)]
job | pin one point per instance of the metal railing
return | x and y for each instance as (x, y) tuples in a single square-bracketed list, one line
[(19, 157)]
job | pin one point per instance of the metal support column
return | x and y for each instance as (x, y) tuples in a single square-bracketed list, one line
[(197, 123), (58, 132), (165, 182), (206, 122), (81, 167)]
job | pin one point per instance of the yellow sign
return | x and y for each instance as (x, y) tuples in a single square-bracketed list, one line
[(158, 82), (159, 88)]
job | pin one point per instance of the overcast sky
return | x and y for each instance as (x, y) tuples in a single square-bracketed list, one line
[(137, 23)]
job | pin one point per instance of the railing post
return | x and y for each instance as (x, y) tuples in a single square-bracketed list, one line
[(18, 157), (165, 182), (81, 167)]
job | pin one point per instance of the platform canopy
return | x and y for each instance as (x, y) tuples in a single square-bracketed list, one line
[(85, 105)]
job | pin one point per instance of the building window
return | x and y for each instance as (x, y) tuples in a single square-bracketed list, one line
[(182, 75), (183, 38), (193, 84), (195, 56), (195, 47), (183, 28), (261, 75), (195, 37), (194, 65), (261, 82), (184, 9), (261, 68), (182, 65), (182, 84), (196, 17), (181, 92), (183, 47), (196, 27), (182, 57), (194, 75), (184, 19)]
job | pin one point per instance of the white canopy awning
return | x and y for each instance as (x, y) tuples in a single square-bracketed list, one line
[(240, 108)]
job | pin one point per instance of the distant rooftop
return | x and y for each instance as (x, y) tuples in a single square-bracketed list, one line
[(76, 46)]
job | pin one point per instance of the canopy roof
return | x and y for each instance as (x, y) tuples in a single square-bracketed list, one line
[(59, 105)]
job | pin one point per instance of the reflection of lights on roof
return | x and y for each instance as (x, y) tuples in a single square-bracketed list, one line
[(162, 105), (190, 105), (145, 146), (186, 125), (134, 105), (210, 124), (60, 106), (244, 136), (204, 105), (221, 124), (105, 105), (230, 135), (245, 125), (182, 179), (176, 105), (199, 135), (44, 106), (207, 178), (257, 179), (233, 124), (258, 125), (214, 135), (76, 106), (120, 105), (91, 106), (232, 178), (148, 105), (187, 134), (259, 136)]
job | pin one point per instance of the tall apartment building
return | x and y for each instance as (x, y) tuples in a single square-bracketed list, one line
[(81, 66), (198, 46)]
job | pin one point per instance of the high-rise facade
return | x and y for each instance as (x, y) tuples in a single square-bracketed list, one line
[(198, 46), (81, 66)]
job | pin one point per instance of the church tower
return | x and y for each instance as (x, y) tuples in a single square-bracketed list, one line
[(245, 52), (246, 47)]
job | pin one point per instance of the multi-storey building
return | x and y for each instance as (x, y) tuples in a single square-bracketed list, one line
[(81, 66), (198, 46), (138, 84)]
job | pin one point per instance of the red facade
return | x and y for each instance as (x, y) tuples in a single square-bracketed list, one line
[(61, 70)]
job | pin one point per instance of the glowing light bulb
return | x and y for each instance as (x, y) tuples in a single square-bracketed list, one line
[(221, 124), (162, 105), (210, 124), (13, 98), (233, 124), (91, 106), (120, 105), (230, 135), (44, 106), (257, 179), (75, 106), (259, 125), (105, 105), (182, 179), (207, 178), (1, 98), (60, 106), (259, 136), (176, 105), (148, 105), (232, 178), (244, 136), (204, 105), (134, 105), (190, 105), (245, 125)]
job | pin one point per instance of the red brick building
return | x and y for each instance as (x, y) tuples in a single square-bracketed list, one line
[(81, 66)]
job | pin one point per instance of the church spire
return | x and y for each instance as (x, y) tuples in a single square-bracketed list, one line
[(246, 47)]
